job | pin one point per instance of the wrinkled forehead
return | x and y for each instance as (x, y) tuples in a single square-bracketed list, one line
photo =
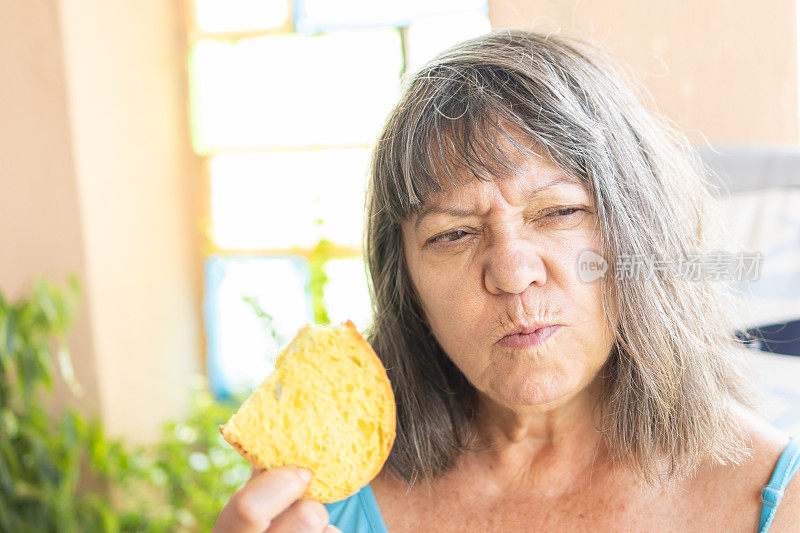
[(507, 155), (528, 175)]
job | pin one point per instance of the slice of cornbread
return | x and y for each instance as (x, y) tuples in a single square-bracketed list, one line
[(328, 407)]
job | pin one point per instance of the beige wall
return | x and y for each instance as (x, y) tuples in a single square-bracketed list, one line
[(40, 226), (128, 107), (100, 183), (723, 69)]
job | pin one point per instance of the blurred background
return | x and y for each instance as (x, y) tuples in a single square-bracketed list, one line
[(197, 169)]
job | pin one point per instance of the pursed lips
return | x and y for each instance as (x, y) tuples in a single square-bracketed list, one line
[(528, 336)]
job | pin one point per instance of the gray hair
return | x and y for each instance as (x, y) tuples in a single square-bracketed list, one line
[(671, 379)]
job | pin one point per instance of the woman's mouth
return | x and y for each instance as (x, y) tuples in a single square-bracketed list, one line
[(534, 338)]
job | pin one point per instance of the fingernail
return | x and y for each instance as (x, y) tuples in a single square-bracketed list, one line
[(305, 474), (330, 528)]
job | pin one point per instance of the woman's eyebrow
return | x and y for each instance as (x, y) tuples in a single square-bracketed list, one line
[(437, 209), (465, 212)]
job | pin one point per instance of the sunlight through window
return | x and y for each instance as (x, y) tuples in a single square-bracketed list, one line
[(285, 100)]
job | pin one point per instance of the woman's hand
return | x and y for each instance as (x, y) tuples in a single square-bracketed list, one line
[(271, 501)]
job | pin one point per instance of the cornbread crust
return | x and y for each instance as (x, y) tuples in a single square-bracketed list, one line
[(365, 422)]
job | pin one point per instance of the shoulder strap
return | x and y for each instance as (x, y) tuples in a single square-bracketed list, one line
[(788, 464)]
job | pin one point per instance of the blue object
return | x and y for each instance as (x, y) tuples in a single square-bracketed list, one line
[(787, 467), (783, 338), (360, 514), (357, 514)]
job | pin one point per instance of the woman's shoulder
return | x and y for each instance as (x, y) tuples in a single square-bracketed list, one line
[(768, 445), (737, 489)]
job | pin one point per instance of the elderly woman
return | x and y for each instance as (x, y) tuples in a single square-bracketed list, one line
[(530, 395)]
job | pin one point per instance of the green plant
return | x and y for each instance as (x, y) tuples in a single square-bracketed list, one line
[(42, 457), (196, 470), (320, 255), (62, 473), (265, 318)]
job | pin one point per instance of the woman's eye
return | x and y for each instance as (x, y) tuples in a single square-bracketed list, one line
[(565, 211), (450, 236)]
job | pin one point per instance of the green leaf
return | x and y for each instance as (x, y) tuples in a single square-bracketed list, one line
[(8, 423), (10, 457), (6, 482), (25, 490), (265, 317), (320, 256), (10, 331), (67, 371), (44, 301), (108, 519)]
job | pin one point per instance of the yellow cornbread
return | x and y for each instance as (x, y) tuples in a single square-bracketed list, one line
[(328, 407)]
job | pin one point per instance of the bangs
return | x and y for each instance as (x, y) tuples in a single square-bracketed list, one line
[(461, 136), (467, 137), (455, 124)]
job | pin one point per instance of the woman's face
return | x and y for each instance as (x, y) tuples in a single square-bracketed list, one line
[(491, 258)]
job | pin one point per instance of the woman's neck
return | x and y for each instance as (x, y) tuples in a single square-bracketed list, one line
[(553, 449)]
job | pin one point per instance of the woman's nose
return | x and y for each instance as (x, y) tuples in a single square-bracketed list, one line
[(512, 265)]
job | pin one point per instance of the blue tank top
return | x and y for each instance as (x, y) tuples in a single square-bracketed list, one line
[(359, 513)]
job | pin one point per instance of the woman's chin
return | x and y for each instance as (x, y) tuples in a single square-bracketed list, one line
[(543, 392)]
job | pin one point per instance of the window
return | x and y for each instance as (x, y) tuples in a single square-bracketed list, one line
[(285, 100)]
